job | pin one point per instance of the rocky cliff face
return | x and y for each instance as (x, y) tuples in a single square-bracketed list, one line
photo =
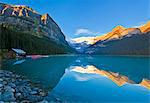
[(25, 19), (123, 41), (22, 27)]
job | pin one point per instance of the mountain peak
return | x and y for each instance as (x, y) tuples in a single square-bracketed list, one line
[(145, 28), (16, 10), (23, 7), (115, 33), (45, 15), (44, 18), (119, 27)]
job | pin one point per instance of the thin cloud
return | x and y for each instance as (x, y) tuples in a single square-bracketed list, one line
[(85, 32)]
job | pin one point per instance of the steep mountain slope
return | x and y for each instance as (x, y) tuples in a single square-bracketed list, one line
[(22, 27), (145, 28), (115, 33), (122, 41)]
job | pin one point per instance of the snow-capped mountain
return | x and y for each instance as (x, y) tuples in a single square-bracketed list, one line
[(81, 43), (87, 40)]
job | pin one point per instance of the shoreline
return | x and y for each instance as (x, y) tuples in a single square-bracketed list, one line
[(15, 88)]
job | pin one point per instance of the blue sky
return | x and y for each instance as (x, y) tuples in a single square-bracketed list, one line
[(91, 17)]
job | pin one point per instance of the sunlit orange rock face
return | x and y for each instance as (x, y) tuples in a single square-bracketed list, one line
[(17, 10), (145, 83), (44, 18), (115, 77), (145, 28), (22, 10), (120, 31), (115, 33)]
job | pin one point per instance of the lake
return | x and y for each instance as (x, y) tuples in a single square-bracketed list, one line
[(83, 78)]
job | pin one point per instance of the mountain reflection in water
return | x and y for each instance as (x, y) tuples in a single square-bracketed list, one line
[(89, 84), (88, 78)]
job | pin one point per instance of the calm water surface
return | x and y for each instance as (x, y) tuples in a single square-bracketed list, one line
[(57, 74)]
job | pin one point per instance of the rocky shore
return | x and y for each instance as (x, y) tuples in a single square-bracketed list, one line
[(15, 88)]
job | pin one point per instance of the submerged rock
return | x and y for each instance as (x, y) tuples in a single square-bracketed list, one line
[(1, 85), (7, 96), (44, 101), (34, 92)]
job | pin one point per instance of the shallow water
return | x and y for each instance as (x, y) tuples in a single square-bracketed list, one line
[(58, 75)]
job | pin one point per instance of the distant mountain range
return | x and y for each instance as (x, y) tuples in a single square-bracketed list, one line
[(22, 27), (120, 41)]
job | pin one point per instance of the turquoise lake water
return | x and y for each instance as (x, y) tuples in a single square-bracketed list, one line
[(57, 74)]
